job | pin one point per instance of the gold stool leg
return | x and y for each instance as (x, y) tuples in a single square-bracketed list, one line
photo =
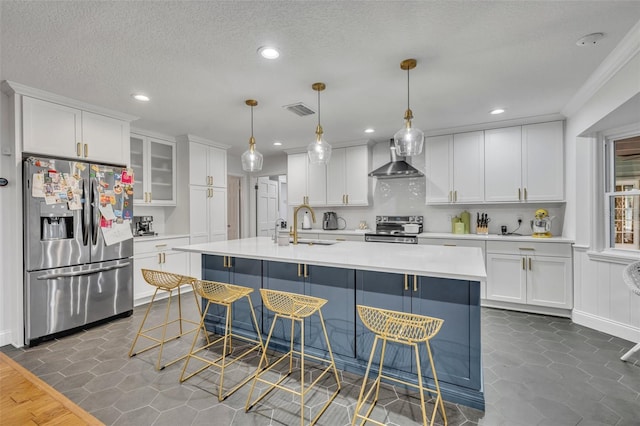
[(260, 370), (193, 345), (164, 332), (302, 390), (146, 314), (437, 384)]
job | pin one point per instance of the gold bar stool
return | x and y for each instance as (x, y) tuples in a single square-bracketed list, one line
[(407, 329), (296, 308), (224, 295), (164, 281)]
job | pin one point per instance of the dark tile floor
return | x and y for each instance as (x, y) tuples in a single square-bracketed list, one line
[(538, 370)]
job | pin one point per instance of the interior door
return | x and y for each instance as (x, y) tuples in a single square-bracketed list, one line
[(233, 207), (267, 205)]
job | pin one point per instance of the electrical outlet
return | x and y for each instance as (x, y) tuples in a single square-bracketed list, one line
[(519, 219)]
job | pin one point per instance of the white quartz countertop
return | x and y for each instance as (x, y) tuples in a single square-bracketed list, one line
[(465, 263), (159, 237)]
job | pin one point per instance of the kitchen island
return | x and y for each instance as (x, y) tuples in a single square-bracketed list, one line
[(437, 281)]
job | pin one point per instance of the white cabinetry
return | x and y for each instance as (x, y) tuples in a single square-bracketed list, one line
[(525, 163), (535, 274), (156, 254), (153, 161), (207, 194), (60, 130), (306, 182), (347, 176), (455, 167)]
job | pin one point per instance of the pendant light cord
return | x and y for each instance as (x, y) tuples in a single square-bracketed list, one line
[(318, 107), (252, 121), (408, 89)]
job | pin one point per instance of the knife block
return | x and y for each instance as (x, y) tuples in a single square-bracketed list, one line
[(482, 230)]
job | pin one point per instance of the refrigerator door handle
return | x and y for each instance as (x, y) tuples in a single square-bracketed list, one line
[(86, 218), (95, 200), (80, 273)]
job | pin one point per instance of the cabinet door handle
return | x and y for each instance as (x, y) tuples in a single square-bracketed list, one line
[(79, 149), (306, 271), (527, 248), (149, 197), (449, 245), (86, 150), (519, 197), (523, 264), (224, 261), (159, 257), (455, 196), (164, 257), (406, 282), (529, 263), (299, 273), (415, 283), (160, 245), (229, 262), (347, 198), (525, 194)]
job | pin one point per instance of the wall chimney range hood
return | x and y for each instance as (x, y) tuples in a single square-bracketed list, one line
[(396, 168)]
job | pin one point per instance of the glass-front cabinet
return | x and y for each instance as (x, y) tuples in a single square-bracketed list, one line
[(153, 161)]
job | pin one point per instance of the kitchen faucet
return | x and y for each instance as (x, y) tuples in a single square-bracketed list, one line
[(294, 231)]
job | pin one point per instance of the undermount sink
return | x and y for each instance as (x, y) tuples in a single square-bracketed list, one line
[(311, 241)]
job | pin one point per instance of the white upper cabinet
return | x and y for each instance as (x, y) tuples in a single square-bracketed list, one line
[(525, 163), (455, 168), (51, 128), (503, 164), (153, 161), (306, 182), (207, 165), (347, 176), (543, 161)]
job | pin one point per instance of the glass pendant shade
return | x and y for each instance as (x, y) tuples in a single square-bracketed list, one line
[(408, 141), (251, 158), (319, 151)]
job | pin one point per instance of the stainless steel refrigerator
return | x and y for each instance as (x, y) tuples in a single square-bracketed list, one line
[(78, 245)]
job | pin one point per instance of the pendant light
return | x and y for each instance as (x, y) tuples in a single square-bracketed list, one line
[(408, 140), (319, 151), (251, 159)]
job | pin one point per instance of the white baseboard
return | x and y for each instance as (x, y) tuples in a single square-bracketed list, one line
[(5, 337), (614, 328)]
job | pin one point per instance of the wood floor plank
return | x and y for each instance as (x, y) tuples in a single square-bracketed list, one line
[(27, 400)]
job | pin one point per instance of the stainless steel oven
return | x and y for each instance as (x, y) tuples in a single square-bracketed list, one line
[(396, 229)]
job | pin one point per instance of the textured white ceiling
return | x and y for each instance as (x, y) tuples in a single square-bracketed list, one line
[(198, 61)]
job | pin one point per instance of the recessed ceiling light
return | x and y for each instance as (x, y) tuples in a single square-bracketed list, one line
[(369, 130), (268, 52), (277, 143), (140, 97), (590, 39), (496, 111)]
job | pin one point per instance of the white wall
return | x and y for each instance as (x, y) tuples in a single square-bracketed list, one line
[(601, 299)]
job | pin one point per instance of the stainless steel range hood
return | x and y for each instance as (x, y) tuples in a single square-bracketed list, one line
[(396, 168)]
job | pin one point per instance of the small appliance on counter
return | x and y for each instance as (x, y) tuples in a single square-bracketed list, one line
[(306, 221), (143, 226), (541, 225), (396, 229), (330, 222)]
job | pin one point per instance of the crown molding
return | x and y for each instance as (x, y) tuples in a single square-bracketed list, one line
[(12, 88), (193, 138), (614, 62)]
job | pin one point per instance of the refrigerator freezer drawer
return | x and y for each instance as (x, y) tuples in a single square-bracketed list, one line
[(57, 300)]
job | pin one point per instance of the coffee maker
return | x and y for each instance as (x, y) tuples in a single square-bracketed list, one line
[(143, 226)]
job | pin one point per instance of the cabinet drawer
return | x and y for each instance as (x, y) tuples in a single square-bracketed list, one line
[(525, 247), (156, 245), (451, 242)]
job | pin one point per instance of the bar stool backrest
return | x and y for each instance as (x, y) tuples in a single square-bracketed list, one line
[(165, 280), (631, 277)]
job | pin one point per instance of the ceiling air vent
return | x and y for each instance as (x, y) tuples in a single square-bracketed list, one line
[(299, 109)]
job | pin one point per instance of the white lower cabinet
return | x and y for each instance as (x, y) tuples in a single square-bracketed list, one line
[(157, 254), (537, 274)]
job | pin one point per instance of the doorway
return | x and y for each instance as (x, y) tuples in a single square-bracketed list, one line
[(271, 203), (234, 210)]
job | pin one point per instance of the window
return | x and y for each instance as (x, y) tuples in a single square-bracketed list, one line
[(622, 196)]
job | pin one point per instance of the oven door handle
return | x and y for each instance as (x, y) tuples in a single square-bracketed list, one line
[(81, 273)]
